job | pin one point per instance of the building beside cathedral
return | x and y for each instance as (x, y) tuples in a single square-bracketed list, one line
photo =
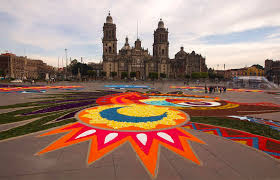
[(137, 62), (22, 67)]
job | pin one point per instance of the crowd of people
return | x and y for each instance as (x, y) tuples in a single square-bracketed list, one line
[(213, 89)]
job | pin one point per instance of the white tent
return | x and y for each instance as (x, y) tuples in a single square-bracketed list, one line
[(253, 82)]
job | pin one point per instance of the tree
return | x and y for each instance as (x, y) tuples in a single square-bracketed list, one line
[(132, 74), (162, 75), (180, 76), (2, 72), (124, 75), (210, 70), (258, 66), (212, 75), (195, 75), (113, 74), (76, 66), (220, 76), (91, 73), (103, 73), (153, 75), (203, 75)]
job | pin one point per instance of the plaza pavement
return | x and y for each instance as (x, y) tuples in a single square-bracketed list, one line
[(221, 158)]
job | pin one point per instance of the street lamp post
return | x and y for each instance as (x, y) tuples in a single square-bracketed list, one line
[(66, 63)]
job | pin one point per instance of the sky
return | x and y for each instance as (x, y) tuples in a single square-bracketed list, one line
[(235, 33)]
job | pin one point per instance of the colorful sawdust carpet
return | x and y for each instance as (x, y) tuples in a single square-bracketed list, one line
[(126, 86), (36, 89), (267, 145), (272, 124), (228, 89), (194, 105), (108, 119), (274, 93), (145, 127), (147, 121)]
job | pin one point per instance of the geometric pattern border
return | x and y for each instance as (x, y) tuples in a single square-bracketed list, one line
[(267, 145)]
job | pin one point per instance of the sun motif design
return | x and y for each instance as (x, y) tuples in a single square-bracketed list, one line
[(144, 127), (132, 117)]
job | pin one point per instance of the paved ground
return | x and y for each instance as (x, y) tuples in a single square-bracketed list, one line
[(221, 158)]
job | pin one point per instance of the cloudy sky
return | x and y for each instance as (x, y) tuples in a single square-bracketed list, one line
[(236, 33)]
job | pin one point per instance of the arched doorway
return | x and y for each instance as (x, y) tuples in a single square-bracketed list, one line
[(137, 74)]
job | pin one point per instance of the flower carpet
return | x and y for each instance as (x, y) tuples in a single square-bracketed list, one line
[(197, 88), (267, 145), (272, 124), (274, 93), (126, 86), (36, 89), (147, 121)]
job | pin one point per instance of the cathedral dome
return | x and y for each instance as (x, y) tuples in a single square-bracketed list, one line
[(109, 19), (126, 45), (160, 24), (181, 53)]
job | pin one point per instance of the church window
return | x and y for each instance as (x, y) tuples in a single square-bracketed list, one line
[(113, 45), (105, 50), (106, 44), (110, 49), (162, 51)]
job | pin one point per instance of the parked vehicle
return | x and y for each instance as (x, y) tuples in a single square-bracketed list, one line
[(17, 81)]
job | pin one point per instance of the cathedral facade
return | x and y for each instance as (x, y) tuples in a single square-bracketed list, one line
[(137, 62)]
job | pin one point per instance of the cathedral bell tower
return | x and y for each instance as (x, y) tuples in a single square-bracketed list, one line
[(137, 44), (109, 39), (161, 44)]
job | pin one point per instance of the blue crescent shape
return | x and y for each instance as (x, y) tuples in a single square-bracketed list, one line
[(162, 103), (112, 114)]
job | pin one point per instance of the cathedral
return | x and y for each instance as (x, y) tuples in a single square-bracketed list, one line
[(135, 61)]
